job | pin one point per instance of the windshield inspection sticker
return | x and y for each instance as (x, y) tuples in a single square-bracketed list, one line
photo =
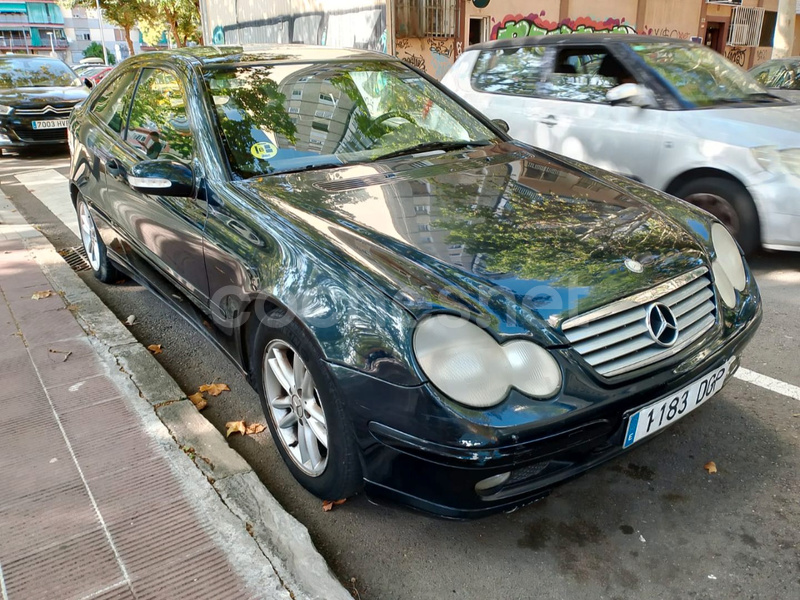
[(263, 150)]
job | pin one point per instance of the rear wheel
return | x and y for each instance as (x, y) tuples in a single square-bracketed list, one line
[(305, 411), (95, 249), (731, 203)]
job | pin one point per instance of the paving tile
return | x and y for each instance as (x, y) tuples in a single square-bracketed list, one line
[(83, 393), (24, 307), (55, 371), (73, 568), (46, 519), (110, 417), (49, 327)]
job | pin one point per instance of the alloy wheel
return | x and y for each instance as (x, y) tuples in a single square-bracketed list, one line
[(89, 236), (295, 408)]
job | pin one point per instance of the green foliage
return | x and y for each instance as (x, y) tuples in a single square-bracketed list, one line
[(95, 50), (180, 17)]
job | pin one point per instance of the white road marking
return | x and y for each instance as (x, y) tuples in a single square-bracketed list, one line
[(3, 590), (768, 383), (51, 188)]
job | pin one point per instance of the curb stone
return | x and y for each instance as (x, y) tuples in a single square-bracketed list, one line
[(174, 422)]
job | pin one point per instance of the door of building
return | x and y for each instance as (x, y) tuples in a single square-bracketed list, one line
[(716, 35)]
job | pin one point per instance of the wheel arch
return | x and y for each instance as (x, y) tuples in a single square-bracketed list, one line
[(699, 173)]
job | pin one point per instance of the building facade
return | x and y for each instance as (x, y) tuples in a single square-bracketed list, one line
[(430, 34), (82, 27), (32, 27)]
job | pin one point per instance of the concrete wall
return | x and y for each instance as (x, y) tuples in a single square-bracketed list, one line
[(344, 23)]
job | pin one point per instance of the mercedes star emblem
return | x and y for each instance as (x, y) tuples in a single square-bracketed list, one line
[(633, 265), (661, 324)]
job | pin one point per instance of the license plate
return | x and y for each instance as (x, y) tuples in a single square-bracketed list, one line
[(50, 124), (666, 411)]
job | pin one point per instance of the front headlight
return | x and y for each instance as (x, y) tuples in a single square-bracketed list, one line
[(5, 110), (778, 161), (469, 366), (728, 266)]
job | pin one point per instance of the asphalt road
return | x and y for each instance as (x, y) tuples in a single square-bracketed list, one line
[(652, 524)]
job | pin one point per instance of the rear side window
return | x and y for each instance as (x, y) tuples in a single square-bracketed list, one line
[(585, 75), (159, 127), (111, 107), (515, 71)]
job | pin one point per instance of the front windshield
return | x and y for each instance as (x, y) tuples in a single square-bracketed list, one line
[(699, 75), (35, 72), (288, 117)]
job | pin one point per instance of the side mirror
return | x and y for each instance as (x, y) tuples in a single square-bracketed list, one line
[(632, 94), (88, 83), (162, 177), (501, 125)]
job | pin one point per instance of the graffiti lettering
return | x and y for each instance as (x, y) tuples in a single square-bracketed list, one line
[(441, 47), (518, 26), (667, 32), (763, 55), (402, 43), (459, 48), (414, 59), (737, 55)]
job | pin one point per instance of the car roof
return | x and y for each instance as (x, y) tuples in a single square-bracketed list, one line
[(265, 53), (29, 57), (575, 38)]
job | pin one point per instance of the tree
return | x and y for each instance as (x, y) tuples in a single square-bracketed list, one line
[(181, 17), (122, 13), (95, 50)]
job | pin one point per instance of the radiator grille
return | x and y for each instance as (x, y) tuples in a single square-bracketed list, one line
[(616, 339), (62, 111)]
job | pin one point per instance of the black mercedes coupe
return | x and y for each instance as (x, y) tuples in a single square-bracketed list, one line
[(428, 309)]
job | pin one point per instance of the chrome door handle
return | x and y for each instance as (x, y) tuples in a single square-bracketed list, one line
[(549, 120)]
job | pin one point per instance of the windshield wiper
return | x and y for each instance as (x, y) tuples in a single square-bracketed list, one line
[(430, 147)]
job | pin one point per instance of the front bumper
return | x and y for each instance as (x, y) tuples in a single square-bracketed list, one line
[(18, 132), (778, 203), (433, 461)]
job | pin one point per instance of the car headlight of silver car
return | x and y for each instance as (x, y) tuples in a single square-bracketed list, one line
[(728, 266), (778, 161), (5, 110), (469, 366)]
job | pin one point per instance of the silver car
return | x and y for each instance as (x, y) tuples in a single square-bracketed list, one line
[(672, 114), (780, 76)]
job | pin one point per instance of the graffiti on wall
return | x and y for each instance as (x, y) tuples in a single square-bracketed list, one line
[(433, 55), (736, 55), (518, 26), (762, 55), (667, 32)]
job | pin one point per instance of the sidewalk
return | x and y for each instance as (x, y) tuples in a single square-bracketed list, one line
[(100, 495)]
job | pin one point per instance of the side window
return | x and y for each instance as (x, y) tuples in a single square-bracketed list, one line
[(516, 71), (585, 75), (770, 76), (112, 105), (158, 126)]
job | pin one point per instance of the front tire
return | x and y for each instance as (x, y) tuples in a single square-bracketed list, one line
[(731, 203), (304, 410), (93, 244)]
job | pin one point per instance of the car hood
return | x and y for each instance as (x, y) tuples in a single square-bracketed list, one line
[(517, 237), (770, 125), (42, 96)]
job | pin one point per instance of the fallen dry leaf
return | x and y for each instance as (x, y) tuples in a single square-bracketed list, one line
[(254, 428), (42, 294), (215, 389), (328, 505), (198, 401), (234, 426), (711, 467), (155, 348), (130, 320)]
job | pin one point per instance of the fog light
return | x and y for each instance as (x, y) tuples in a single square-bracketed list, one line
[(492, 482), (4, 138)]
